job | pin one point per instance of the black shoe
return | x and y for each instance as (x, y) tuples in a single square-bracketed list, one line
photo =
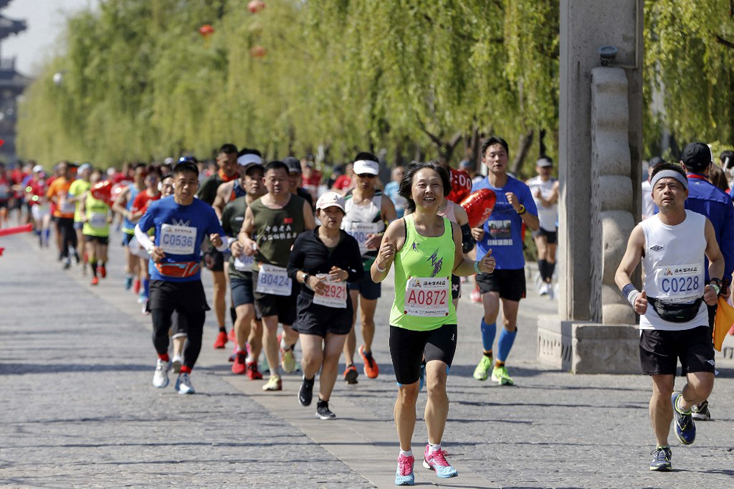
[(76, 257), (305, 393), (67, 264), (322, 410), (701, 412)]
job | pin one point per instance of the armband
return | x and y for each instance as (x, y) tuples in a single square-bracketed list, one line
[(467, 241)]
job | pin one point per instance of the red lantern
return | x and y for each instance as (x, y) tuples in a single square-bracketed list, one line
[(206, 30), (460, 185), (258, 52), (103, 191), (256, 6), (479, 206)]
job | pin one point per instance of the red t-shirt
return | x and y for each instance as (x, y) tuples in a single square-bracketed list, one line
[(142, 201), (314, 180), (36, 188), (343, 182)]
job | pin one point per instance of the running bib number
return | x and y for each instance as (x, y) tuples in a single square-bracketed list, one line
[(679, 281), (178, 240), (244, 263), (427, 297), (68, 207), (335, 296), (360, 231), (97, 220), (274, 280)]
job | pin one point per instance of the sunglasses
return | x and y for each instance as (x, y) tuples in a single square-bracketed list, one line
[(366, 175)]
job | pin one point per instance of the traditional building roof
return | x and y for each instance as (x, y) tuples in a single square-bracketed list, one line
[(9, 27)]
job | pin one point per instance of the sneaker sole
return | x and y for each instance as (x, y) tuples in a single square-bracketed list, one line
[(325, 417), (661, 469), (426, 465), (481, 378), (351, 377), (187, 393)]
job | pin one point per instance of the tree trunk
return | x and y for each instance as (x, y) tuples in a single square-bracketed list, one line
[(526, 141)]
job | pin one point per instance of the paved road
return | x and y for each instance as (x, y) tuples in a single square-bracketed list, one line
[(78, 409)]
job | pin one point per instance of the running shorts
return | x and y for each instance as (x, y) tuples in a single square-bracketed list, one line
[(242, 291), (455, 287), (126, 238), (78, 224), (551, 236), (660, 351), (367, 288), (319, 320), (407, 349), (509, 283), (276, 305), (102, 240)]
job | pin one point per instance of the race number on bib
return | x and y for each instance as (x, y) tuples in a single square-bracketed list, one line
[(335, 295), (68, 207), (360, 231), (679, 281), (97, 220), (427, 297), (244, 263), (178, 240), (274, 280)]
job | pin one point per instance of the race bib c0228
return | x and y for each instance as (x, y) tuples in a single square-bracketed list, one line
[(178, 240), (427, 296), (679, 282), (335, 295), (274, 280)]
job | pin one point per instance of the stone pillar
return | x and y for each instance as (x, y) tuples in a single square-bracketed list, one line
[(600, 187)]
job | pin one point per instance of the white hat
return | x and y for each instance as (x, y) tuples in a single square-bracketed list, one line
[(249, 159), (366, 166), (37, 169), (169, 161), (330, 199)]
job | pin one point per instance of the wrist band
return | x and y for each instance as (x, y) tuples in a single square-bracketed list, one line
[(715, 287), (381, 270), (522, 210), (631, 293), (476, 267)]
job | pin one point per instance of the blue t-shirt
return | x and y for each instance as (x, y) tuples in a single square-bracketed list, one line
[(391, 190), (503, 229), (179, 232), (127, 226)]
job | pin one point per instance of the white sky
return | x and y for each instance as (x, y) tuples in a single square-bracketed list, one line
[(45, 19)]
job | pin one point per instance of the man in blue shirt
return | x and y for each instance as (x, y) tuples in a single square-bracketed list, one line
[(705, 198), (503, 234), (181, 223)]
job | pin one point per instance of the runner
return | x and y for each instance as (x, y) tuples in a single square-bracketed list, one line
[(295, 180), (213, 259), (648, 206), (427, 250), (181, 223), (366, 215), (122, 205), (514, 207), (58, 193), (95, 214), (247, 327), (6, 194), (40, 209), (272, 224), (392, 190), (77, 193), (140, 205), (324, 259), (344, 182), (545, 194), (673, 319)]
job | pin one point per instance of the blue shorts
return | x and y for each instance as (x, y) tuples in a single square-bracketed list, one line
[(126, 238), (78, 224), (367, 288)]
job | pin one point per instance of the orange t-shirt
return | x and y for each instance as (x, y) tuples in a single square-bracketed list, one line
[(58, 192)]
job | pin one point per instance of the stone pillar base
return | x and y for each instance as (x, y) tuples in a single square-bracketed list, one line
[(588, 348)]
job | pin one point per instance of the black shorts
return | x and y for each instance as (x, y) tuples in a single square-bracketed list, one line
[(181, 297), (660, 351), (242, 290), (509, 283), (407, 349), (214, 260), (126, 238), (103, 240), (276, 305), (367, 288), (455, 287), (319, 320), (4, 204), (550, 236)]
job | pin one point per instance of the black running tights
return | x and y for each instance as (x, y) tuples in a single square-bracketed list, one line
[(65, 227), (192, 323)]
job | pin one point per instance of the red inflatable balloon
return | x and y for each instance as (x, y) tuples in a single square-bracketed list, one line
[(206, 30), (103, 191), (117, 189), (460, 185), (479, 206), (256, 6)]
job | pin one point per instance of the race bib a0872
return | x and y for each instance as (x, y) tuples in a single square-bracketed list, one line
[(427, 297)]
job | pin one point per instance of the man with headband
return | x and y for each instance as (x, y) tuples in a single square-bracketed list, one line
[(672, 246)]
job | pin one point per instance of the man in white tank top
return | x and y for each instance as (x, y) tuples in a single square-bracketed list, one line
[(672, 305), (545, 193)]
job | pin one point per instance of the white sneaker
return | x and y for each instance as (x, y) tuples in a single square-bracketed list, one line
[(177, 362), (183, 384), (160, 377), (543, 289)]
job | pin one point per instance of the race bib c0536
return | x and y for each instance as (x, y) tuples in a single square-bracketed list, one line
[(178, 240)]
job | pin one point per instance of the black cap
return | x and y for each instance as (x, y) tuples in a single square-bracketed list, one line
[(294, 166), (655, 161), (696, 156)]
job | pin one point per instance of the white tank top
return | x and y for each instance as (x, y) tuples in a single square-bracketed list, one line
[(547, 216), (362, 220), (674, 268)]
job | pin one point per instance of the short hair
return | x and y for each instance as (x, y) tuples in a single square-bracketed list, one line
[(718, 178), (491, 141), (406, 184), (667, 166), (228, 149), (153, 170), (364, 155), (248, 151), (166, 177), (140, 165), (276, 165), (727, 159), (186, 166)]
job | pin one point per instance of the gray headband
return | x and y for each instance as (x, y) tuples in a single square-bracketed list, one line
[(669, 174)]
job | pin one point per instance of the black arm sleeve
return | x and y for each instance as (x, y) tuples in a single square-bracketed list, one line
[(466, 239), (295, 261), (356, 267)]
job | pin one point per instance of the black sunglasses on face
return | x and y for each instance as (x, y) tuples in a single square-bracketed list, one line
[(366, 175)]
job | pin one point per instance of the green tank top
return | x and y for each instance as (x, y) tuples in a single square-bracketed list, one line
[(275, 231), (423, 257), (96, 212)]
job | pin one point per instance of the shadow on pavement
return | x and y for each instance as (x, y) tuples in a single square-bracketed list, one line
[(45, 368)]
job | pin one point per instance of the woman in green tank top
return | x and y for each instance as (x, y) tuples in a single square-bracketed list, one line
[(426, 250)]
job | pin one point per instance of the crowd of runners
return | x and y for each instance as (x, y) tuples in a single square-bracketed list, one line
[(300, 260)]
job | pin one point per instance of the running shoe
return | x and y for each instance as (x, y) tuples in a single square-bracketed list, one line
[(436, 461), (232, 336), (685, 427), (422, 377), (220, 341), (482, 370), (239, 366), (183, 384), (67, 264), (176, 363), (76, 257), (128, 283), (144, 310), (287, 357), (252, 372), (371, 370), (404, 476), (661, 459), (273, 384), (500, 375), (700, 412), (234, 353), (160, 377), (103, 271), (142, 298), (95, 281), (323, 411), (351, 374), (305, 393), (136, 286)]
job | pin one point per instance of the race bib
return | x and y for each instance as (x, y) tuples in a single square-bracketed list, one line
[(427, 297), (335, 295), (274, 280), (244, 263), (178, 240), (97, 220), (68, 207), (4, 190), (679, 282), (360, 231)]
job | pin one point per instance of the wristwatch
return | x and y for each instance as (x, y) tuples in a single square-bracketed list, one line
[(305, 277)]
